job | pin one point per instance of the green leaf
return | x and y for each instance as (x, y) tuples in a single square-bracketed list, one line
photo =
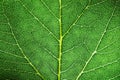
[(60, 39)]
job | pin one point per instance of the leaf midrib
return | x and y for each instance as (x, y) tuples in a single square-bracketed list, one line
[(60, 40)]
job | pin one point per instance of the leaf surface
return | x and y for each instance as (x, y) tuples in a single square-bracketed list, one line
[(59, 40)]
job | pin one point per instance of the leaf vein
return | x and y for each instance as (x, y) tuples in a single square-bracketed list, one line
[(96, 48), (7, 42), (37, 19), (10, 54), (102, 66), (25, 57), (114, 77), (71, 26), (60, 40), (49, 9)]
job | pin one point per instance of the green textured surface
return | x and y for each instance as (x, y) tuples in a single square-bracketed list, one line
[(59, 39)]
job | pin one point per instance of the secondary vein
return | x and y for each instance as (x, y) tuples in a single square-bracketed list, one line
[(97, 46)]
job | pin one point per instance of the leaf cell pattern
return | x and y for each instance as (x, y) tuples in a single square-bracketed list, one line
[(59, 40)]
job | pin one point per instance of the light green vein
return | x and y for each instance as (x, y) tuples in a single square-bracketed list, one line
[(71, 26), (5, 32), (8, 53), (102, 66), (26, 58), (8, 42), (60, 40), (16, 70), (49, 9), (114, 77), (96, 48), (38, 20)]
